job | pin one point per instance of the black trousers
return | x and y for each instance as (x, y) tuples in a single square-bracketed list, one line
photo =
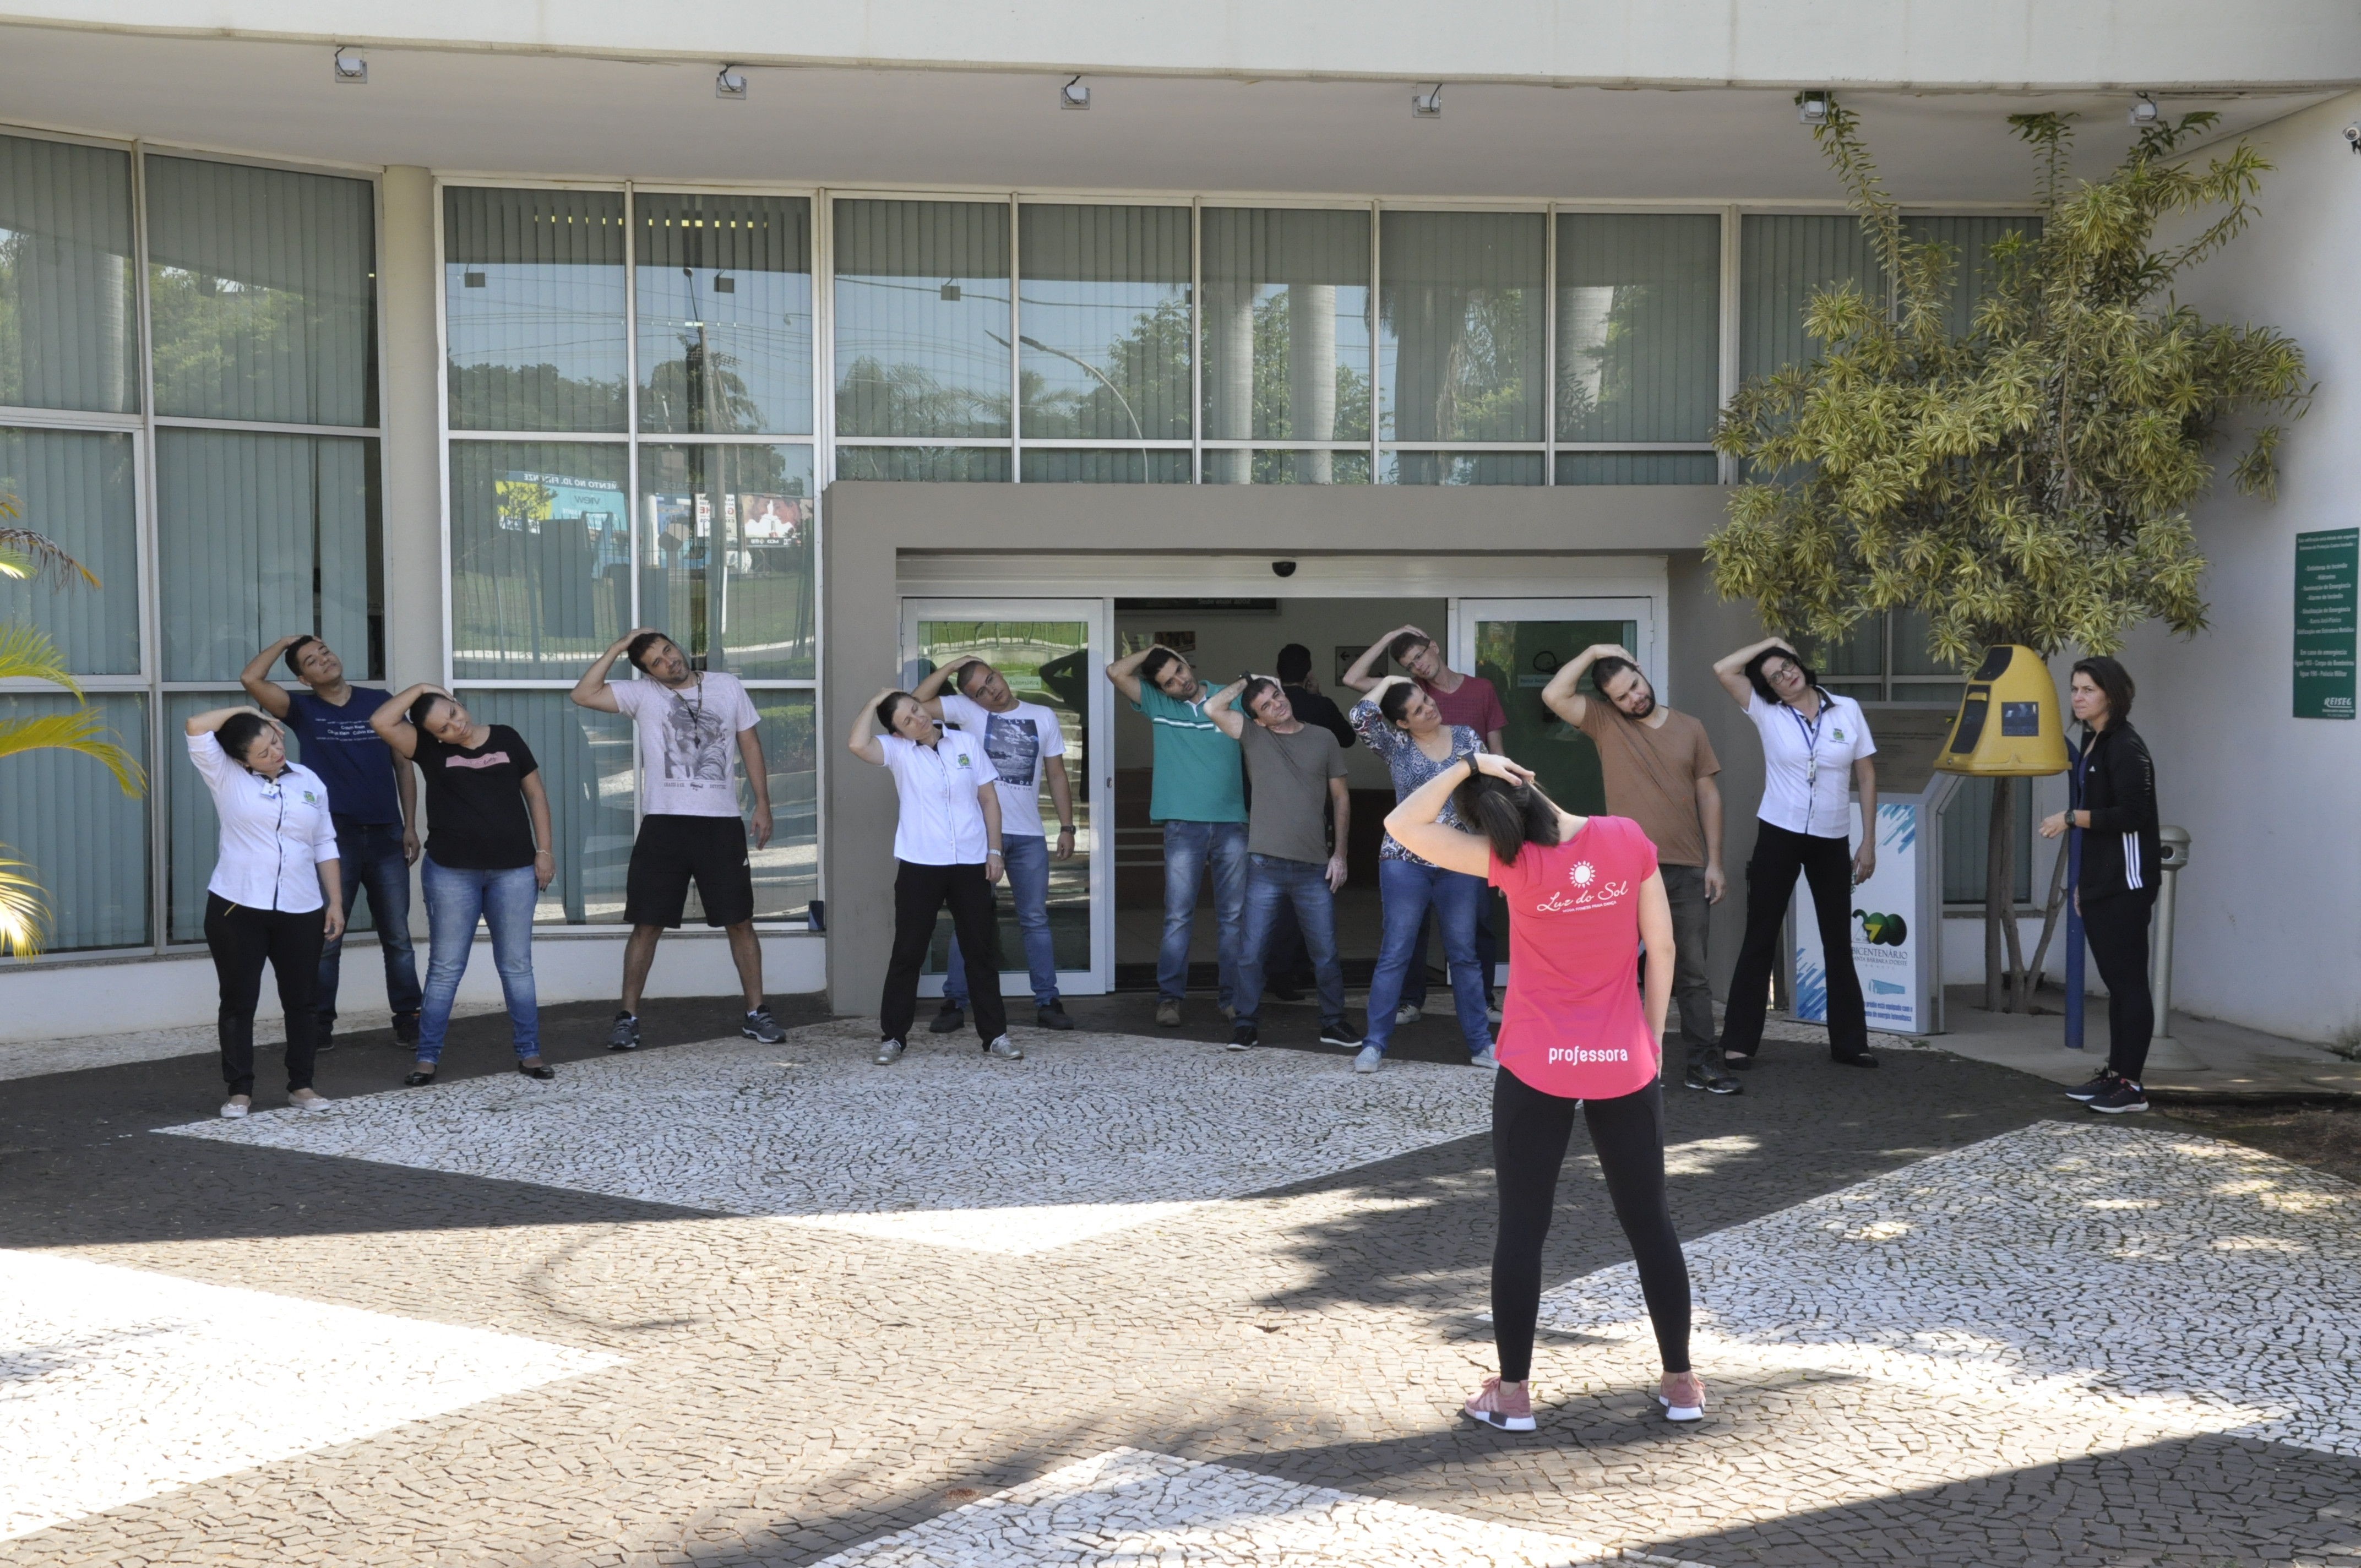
[(919, 893), (1827, 865), (242, 941), (1529, 1137), (2117, 927)]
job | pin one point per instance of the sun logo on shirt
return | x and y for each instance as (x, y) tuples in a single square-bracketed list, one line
[(1584, 873)]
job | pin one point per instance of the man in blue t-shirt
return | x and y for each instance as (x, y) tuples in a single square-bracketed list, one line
[(372, 795)]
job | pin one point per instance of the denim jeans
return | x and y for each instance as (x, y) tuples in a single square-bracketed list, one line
[(1488, 954), (1409, 888), (1188, 848), (456, 899), (370, 858), (1026, 857), (1273, 884)]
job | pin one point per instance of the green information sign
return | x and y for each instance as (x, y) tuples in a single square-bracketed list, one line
[(2327, 574)]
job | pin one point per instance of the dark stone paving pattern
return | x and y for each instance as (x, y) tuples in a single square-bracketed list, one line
[(792, 1392)]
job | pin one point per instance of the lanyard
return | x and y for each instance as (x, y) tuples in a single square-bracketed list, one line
[(1811, 743)]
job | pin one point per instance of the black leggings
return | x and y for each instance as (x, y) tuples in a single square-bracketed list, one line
[(242, 941), (2117, 928), (1826, 864), (919, 892), (1529, 1134)]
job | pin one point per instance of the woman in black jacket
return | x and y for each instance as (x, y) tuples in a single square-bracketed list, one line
[(2121, 860)]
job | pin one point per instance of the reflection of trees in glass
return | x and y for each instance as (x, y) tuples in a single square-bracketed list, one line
[(906, 400), (1276, 375), (1597, 327), (699, 391), (224, 347), (1462, 362), (1139, 381), (533, 397)]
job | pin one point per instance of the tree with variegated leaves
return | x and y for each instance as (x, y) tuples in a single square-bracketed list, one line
[(27, 654), (2028, 480)]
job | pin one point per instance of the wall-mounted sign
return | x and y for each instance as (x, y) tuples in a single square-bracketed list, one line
[(2327, 570)]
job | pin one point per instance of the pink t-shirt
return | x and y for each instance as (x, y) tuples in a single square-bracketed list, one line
[(1573, 1025)]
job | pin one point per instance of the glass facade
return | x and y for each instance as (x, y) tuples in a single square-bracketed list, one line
[(234, 465), (629, 412)]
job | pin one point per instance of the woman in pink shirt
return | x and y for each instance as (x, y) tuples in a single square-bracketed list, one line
[(1576, 1034)]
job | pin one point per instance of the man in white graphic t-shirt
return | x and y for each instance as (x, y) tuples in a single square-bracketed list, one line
[(688, 722), (1025, 742)]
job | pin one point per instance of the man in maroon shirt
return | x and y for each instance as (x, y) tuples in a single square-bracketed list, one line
[(1470, 700)]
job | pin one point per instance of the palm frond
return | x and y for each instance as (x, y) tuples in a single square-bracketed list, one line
[(28, 553), (27, 654), (79, 731), (24, 910)]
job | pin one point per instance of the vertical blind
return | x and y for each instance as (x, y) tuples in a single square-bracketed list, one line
[(533, 309), (541, 556), (1286, 325), (78, 488), (69, 320), (262, 293), (725, 313), (922, 319), (1462, 319), (1638, 326), (79, 835), (1105, 322)]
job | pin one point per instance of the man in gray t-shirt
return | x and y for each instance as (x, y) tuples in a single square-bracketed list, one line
[(1297, 772)]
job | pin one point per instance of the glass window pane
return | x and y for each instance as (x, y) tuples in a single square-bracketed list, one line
[(1104, 465), (263, 535), (540, 557), (1459, 345), (943, 465), (727, 553), (83, 839), (1860, 654), (69, 320), (1287, 324), (922, 318), (1638, 468), (78, 488), (532, 304), (1463, 468), (725, 313), (786, 871), (262, 293), (1910, 655), (1105, 320), (1639, 341), (585, 770), (191, 831), (1783, 261), (1272, 465), (1967, 836)]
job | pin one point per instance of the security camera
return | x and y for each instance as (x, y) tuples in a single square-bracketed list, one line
[(1282, 568), (2352, 138)]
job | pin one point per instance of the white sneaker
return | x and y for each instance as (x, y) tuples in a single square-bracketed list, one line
[(1407, 1013), (318, 1102), (233, 1109), (1492, 1013), (1002, 1048), (1369, 1060), (1488, 1061)]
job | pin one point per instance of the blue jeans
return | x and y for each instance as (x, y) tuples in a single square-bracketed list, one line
[(1409, 888), (369, 856), (1488, 954), (456, 899), (1273, 884), (1189, 847), (1026, 856)]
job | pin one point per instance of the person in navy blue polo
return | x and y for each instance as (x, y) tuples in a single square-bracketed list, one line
[(373, 799)]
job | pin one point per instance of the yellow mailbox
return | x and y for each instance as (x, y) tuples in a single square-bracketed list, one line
[(2008, 726)]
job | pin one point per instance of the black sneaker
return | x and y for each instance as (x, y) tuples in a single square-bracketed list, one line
[(2086, 1092), (625, 1034), (761, 1025), (1742, 1063), (1713, 1082), (1340, 1033), (1242, 1038), (1858, 1058), (1052, 1016), (2124, 1096), (405, 1028), (950, 1021)]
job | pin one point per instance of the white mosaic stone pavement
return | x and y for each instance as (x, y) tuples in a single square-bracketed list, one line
[(1124, 1508), (117, 1384), (2164, 1278), (1089, 1133)]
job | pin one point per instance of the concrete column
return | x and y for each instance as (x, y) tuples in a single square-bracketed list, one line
[(411, 467), (1229, 348), (1312, 373)]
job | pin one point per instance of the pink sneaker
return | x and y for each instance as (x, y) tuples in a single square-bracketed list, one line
[(1509, 1407)]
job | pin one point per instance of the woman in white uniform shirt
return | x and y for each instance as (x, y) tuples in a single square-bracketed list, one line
[(946, 848), (1815, 750), (276, 892)]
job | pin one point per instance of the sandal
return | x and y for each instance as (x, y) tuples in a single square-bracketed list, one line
[(535, 1070), (418, 1079)]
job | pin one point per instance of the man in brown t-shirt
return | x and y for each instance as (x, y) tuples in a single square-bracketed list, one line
[(1659, 768)]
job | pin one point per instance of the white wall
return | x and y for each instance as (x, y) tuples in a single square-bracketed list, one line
[(2270, 908), (50, 1001)]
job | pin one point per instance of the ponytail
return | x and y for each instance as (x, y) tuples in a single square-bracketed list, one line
[(1509, 813)]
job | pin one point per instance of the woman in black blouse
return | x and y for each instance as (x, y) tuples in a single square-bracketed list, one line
[(487, 859)]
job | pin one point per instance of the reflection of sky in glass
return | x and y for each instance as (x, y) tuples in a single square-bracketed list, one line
[(949, 339), (556, 313), (758, 331), (1072, 332)]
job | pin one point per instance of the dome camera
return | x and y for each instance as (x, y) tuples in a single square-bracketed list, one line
[(1282, 568)]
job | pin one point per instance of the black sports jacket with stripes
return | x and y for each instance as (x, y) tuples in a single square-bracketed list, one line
[(2119, 849)]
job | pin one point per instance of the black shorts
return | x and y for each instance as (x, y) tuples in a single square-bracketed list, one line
[(671, 850)]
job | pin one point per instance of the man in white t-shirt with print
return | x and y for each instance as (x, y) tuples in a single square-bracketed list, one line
[(1025, 742), (686, 720)]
